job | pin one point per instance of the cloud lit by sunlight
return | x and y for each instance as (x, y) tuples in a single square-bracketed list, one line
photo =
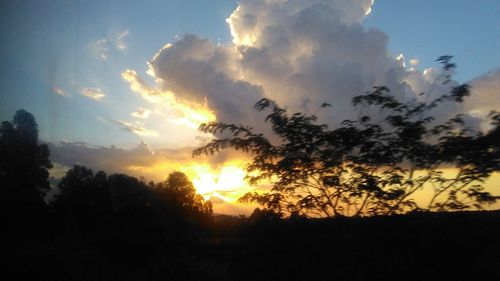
[(141, 113), (246, 39), (100, 48), (136, 128), (60, 92), (168, 105), (369, 8), (120, 40), (414, 62), (93, 93), (226, 182)]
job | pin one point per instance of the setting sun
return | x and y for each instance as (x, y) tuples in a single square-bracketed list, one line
[(224, 183)]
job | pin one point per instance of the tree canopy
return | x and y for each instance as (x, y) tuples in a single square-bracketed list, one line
[(369, 166), (85, 198), (23, 165), (180, 190)]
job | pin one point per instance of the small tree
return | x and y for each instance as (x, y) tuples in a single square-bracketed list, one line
[(180, 190), (367, 167)]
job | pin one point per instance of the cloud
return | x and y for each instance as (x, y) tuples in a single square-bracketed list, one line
[(141, 113), (485, 92), (60, 92), (100, 48), (93, 93), (299, 53), (136, 128), (485, 96), (197, 71), (369, 7), (174, 109), (109, 159), (120, 43)]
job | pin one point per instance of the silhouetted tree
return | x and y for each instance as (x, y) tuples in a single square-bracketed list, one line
[(182, 190), (125, 217), (84, 199), (23, 167), (177, 199), (263, 216), (151, 218), (127, 193), (367, 167)]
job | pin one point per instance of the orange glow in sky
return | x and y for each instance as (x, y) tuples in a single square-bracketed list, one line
[(226, 183)]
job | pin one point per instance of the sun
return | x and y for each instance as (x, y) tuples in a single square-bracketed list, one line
[(227, 183)]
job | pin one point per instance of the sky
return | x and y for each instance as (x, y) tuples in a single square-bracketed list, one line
[(123, 85)]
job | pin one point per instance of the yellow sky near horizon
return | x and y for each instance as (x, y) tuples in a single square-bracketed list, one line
[(224, 184)]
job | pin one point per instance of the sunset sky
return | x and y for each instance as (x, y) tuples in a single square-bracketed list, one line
[(122, 86)]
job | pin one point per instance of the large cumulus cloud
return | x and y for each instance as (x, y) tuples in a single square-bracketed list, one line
[(308, 52), (299, 53), (485, 93), (197, 70)]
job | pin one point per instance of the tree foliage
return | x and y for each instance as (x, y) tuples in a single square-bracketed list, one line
[(85, 198), (23, 165), (367, 166), (180, 190)]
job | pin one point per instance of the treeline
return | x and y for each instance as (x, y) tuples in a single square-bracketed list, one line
[(120, 213), (117, 218)]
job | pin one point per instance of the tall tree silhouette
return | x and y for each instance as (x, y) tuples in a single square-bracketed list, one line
[(367, 167), (23, 166)]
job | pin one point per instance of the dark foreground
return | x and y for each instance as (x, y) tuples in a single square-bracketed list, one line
[(425, 246)]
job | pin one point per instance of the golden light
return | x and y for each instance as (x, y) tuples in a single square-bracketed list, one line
[(423, 196), (227, 183), (369, 8), (246, 39), (192, 115), (188, 113)]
